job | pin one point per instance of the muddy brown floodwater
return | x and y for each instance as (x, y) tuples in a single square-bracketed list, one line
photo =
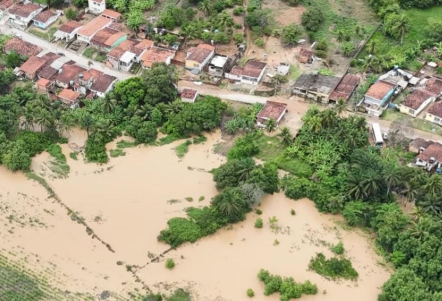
[(128, 201)]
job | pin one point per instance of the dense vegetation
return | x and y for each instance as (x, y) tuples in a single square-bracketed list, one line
[(287, 287), (333, 267)]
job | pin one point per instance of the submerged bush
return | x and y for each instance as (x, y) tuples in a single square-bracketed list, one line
[(250, 293), (170, 264), (338, 248), (333, 268), (258, 223)]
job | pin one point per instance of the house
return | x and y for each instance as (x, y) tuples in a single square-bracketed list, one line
[(315, 86), (32, 66), (189, 95), (44, 19), (22, 14), (86, 32), (434, 85), (430, 157), (217, 65), (156, 55), (103, 84), (96, 6), (251, 73), (271, 110), (54, 65), (345, 88), (67, 75), (377, 97), (305, 56), (69, 98), (414, 103), (418, 145), (106, 39), (128, 52), (84, 81), (434, 114), (5, 4), (21, 47), (68, 31), (198, 57), (111, 14), (43, 85)]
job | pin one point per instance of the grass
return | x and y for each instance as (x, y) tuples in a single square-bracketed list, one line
[(101, 57), (74, 156), (167, 140), (295, 72), (117, 152), (59, 165), (417, 123), (44, 35), (125, 144), (199, 139), (88, 52), (182, 149)]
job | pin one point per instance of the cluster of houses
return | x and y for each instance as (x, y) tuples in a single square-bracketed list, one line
[(58, 76)]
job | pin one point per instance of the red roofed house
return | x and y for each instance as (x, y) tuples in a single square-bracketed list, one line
[(111, 14), (271, 110), (69, 98), (198, 57), (67, 75), (345, 88), (84, 81), (22, 14), (45, 19), (305, 56), (430, 157), (44, 85), (189, 95), (251, 74), (124, 55), (434, 114), (68, 31), (86, 32), (32, 66), (156, 55), (103, 84), (5, 4), (377, 97), (434, 85), (21, 47), (97, 6), (106, 39), (416, 102)]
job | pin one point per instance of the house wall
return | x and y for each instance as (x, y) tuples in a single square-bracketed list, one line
[(232, 76), (24, 21), (46, 25), (433, 118), (101, 94), (371, 100), (96, 7), (61, 85), (195, 65), (406, 110), (113, 61)]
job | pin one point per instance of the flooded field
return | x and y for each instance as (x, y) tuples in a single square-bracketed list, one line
[(128, 201)]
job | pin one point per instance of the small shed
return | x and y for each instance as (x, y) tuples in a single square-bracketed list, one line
[(189, 95), (271, 110)]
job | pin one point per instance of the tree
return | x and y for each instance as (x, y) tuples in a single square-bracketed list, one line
[(17, 158), (404, 285), (159, 84), (341, 106), (397, 25), (171, 39), (312, 19), (392, 176), (71, 14), (270, 125), (135, 19), (348, 48), (54, 3), (43, 118), (80, 3), (357, 213), (108, 104), (233, 172), (286, 136), (433, 185), (87, 122), (434, 29), (6, 78), (230, 203), (12, 59), (291, 34)]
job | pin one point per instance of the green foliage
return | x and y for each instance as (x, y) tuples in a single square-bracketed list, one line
[(291, 34), (245, 146), (292, 212), (73, 155), (250, 293), (259, 42), (95, 150), (338, 249), (258, 223), (312, 19), (19, 286), (152, 297), (170, 264), (199, 139), (357, 213), (326, 71), (12, 60), (182, 149), (117, 152), (179, 295), (71, 14), (180, 230), (333, 268)]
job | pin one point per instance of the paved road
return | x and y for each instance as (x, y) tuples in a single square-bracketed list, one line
[(80, 60)]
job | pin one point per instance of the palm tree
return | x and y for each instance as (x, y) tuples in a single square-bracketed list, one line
[(66, 123), (205, 6), (286, 136), (372, 183), (229, 203), (423, 227), (144, 111), (104, 128), (340, 106), (43, 118), (433, 185), (314, 124), (409, 191), (247, 166), (87, 122), (223, 19), (431, 204), (328, 118), (401, 26), (108, 104), (271, 125), (174, 107), (355, 186), (392, 177)]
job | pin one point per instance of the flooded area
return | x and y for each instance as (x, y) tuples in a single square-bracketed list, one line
[(128, 201)]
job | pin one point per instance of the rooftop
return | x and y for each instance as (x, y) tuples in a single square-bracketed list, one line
[(380, 89), (69, 72), (32, 65), (68, 96), (60, 62), (345, 87), (272, 110), (21, 47), (107, 37), (102, 83), (5, 4), (317, 82), (91, 74), (253, 68), (432, 151), (70, 26), (188, 93), (416, 99), (44, 16), (93, 26), (24, 10), (200, 53), (434, 85), (119, 51), (142, 45), (156, 55), (436, 109), (43, 82), (219, 61), (419, 142), (111, 14), (127, 57)]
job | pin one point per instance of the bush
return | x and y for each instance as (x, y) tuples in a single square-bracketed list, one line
[(287, 287), (334, 268), (312, 19), (246, 146), (259, 42), (95, 150), (338, 248), (258, 211), (357, 213), (258, 223), (250, 293), (71, 14), (170, 264), (293, 212), (291, 35), (238, 38), (180, 230), (238, 11), (221, 37), (347, 48)]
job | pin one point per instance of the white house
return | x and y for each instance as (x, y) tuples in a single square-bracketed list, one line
[(103, 84), (416, 102), (87, 32), (431, 157), (198, 57), (22, 14), (251, 74), (68, 31), (97, 6), (44, 19)]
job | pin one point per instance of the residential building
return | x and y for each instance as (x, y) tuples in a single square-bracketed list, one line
[(43, 85), (431, 157), (84, 81), (5, 5), (88, 30), (315, 86), (189, 95), (156, 55), (106, 39), (128, 52), (32, 66), (345, 88), (434, 114), (68, 31), (414, 103), (378, 96), (198, 57), (418, 145), (69, 98), (250, 74), (96, 6), (21, 47), (111, 14), (305, 56), (434, 85), (44, 19), (103, 84), (67, 75), (271, 110), (217, 65), (22, 14)]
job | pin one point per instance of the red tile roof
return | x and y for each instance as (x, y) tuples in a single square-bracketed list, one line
[(5, 4), (434, 85), (107, 37), (237, 70), (24, 10), (43, 82), (111, 13), (272, 110), (69, 72), (156, 55), (345, 87), (70, 26), (93, 26), (200, 53), (44, 16), (304, 55), (142, 45), (68, 96), (124, 46), (32, 65), (436, 109), (253, 68), (416, 99), (188, 93), (379, 90), (21, 47), (433, 151), (102, 83)]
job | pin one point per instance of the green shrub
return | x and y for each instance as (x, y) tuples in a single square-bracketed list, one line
[(259, 42), (152, 297), (338, 248), (180, 230), (258, 211), (199, 139), (117, 152), (238, 11), (333, 268), (179, 295), (182, 149), (170, 264), (258, 223), (244, 147), (250, 293), (293, 212), (73, 155)]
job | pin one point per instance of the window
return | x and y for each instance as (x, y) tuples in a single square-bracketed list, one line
[(436, 119), (411, 111)]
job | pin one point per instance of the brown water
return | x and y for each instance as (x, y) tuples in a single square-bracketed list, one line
[(125, 202)]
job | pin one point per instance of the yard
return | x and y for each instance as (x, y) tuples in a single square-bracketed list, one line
[(44, 35), (95, 54), (417, 123)]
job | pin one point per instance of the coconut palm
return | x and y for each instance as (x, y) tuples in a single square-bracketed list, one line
[(174, 107), (314, 124), (229, 203), (392, 177), (401, 26), (286, 136), (205, 6), (372, 183), (144, 111), (271, 125), (356, 189), (108, 104), (329, 118), (431, 204), (223, 19), (340, 106), (247, 166), (43, 118), (66, 123), (87, 122), (104, 128), (433, 185)]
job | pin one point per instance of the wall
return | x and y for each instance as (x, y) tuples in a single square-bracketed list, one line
[(406, 110), (431, 118)]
